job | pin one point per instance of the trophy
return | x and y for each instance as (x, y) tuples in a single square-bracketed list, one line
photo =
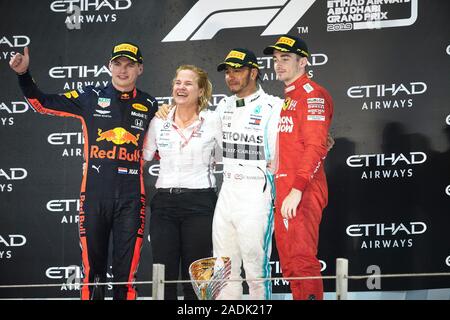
[(209, 276)]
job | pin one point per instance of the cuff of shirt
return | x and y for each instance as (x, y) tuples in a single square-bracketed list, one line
[(300, 183), (25, 78)]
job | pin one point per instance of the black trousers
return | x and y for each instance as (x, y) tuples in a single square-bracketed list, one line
[(180, 233), (125, 218)]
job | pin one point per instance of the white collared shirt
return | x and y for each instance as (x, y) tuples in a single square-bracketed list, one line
[(187, 155)]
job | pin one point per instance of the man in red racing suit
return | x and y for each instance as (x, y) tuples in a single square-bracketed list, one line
[(301, 186), (115, 120)]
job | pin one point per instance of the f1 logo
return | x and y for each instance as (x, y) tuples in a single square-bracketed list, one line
[(208, 17)]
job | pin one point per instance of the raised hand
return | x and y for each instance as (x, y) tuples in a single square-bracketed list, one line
[(20, 62)]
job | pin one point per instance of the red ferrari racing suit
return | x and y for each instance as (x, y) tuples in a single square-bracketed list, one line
[(303, 128)]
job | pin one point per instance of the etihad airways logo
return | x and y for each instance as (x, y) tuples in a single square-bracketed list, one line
[(386, 235), (206, 18), (9, 110), (387, 96), (87, 5), (9, 44), (13, 240), (71, 142), (69, 72), (385, 229), (380, 160), (15, 41), (9, 242), (89, 11), (390, 165), (72, 276), (85, 73), (387, 90), (67, 209), (8, 176)]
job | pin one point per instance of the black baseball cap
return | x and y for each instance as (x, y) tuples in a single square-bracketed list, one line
[(287, 43), (128, 50), (238, 58)]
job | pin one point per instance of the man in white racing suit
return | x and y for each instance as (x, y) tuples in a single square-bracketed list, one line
[(243, 218)]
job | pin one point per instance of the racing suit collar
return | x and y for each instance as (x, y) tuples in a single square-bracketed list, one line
[(297, 83), (125, 95), (241, 102)]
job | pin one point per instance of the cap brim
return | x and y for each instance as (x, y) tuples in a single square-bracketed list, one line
[(270, 49), (224, 65), (126, 56)]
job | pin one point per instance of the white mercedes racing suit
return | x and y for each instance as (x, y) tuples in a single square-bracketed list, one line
[(243, 218)]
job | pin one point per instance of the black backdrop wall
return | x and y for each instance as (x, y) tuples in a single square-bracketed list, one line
[(386, 64)]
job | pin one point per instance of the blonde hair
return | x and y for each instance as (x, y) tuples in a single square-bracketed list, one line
[(202, 82)]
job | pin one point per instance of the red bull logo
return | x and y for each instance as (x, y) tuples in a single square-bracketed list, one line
[(82, 228), (118, 136), (120, 153)]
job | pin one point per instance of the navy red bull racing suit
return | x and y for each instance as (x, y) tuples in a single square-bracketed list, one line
[(112, 196)]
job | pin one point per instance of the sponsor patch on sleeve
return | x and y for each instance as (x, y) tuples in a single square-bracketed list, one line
[(71, 94), (308, 88), (316, 106), (315, 118), (316, 100)]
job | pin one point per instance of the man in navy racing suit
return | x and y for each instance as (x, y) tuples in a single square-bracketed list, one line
[(112, 199)]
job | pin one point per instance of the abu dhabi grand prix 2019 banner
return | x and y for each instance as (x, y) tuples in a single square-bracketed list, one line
[(385, 63)]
